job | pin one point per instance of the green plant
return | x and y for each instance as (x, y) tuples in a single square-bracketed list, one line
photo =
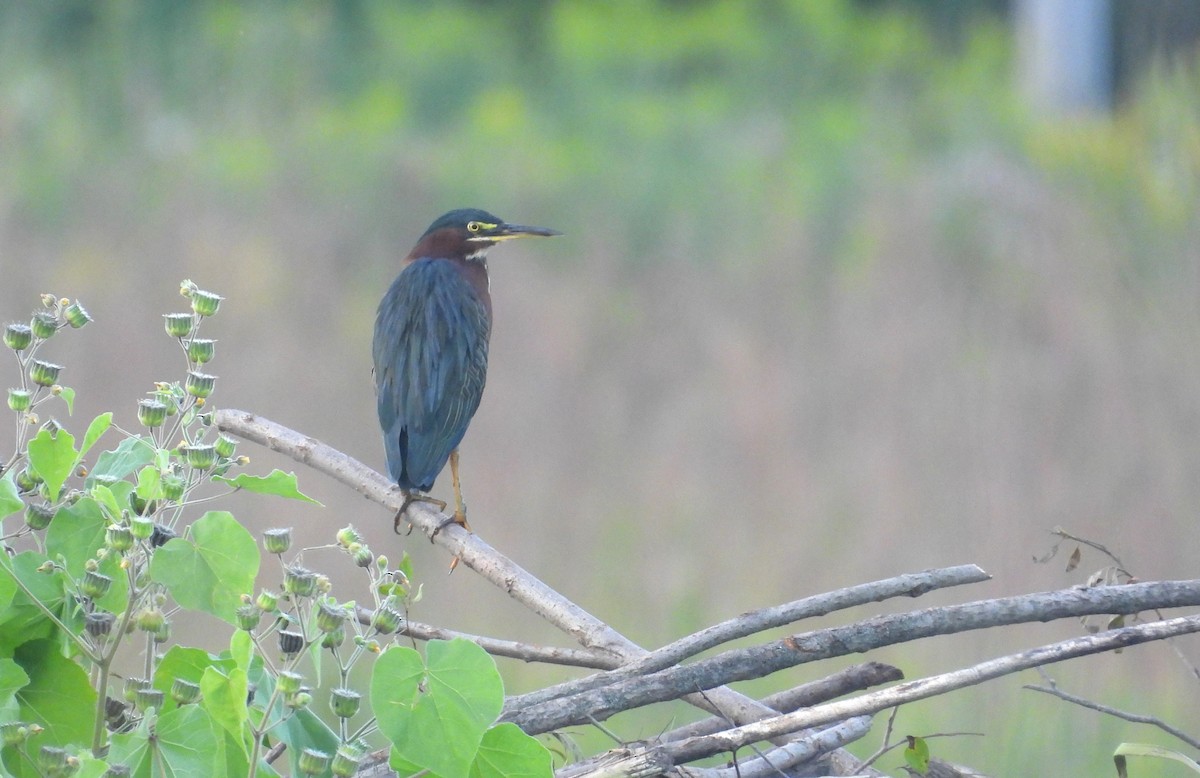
[(102, 558)]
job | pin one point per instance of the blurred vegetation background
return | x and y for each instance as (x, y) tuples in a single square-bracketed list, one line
[(834, 301)]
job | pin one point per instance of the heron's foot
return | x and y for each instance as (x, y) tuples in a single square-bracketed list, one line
[(459, 518), (409, 499)]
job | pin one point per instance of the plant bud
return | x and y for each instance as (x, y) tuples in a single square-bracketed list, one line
[(348, 536), (345, 702), (44, 373), (142, 527), (98, 623), (118, 537), (13, 733), (43, 324), (278, 540), (333, 639), (118, 770), (267, 601), (172, 487), (363, 556), (312, 761), (225, 446), (299, 581), (298, 701), (330, 616), (148, 698), (163, 633), (200, 385), (19, 400), (185, 692), (200, 457), (95, 584), (178, 324), (38, 516), (18, 336), (201, 350), (345, 764), (290, 642), (248, 617), (52, 760), (150, 619), (133, 686), (76, 316), (152, 413), (386, 620), (289, 682), (205, 303)]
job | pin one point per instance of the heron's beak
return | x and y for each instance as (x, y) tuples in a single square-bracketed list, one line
[(510, 231)]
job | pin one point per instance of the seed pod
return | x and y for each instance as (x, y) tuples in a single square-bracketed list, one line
[(43, 324), (205, 303), (201, 350), (76, 316), (18, 336), (290, 642), (148, 698), (152, 413), (185, 692), (312, 761), (95, 584), (200, 385), (38, 516), (98, 623), (345, 702), (278, 540), (200, 457), (44, 373), (178, 324)]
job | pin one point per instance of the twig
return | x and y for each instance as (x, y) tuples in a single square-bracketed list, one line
[(1136, 718), (758, 661), (887, 736), (852, 679), (803, 750), (910, 585)]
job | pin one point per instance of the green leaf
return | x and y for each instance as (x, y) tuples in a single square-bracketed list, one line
[(210, 568), (53, 457), (507, 752), (23, 620), (241, 648), (12, 679), (75, 534), (224, 697), (98, 427), (1145, 749), (10, 496), (436, 711), (129, 455), (149, 483), (277, 483), (185, 664), (916, 755), (58, 696), (68, 396), (185, 742)]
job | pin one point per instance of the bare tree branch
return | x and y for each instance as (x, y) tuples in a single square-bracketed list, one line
[(911, 691), (758, 661), (910, 585), (799, 751), (1136, 718), (852, 679)]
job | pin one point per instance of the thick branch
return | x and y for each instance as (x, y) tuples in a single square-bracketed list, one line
[(756, 662), (911, 691), (910, 585)]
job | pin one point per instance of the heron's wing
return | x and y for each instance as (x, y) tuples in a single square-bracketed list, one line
[(430, 351)]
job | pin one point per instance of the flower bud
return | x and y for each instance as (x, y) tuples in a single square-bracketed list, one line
[(363, 556), (95, 584), (348, 536), (248, 617), (178, 324), (298, 701), (148, 698), (19, 400), (13, 733), (330, 616), (312, 761), (200, 457), (150, 619), (333, 639), (345, 702), (172, 487), (386, 620), (26, 480), (18, 336), (163, 633), (142, 527), (225, 446), (200, 385), (52, 760), (289, 682), (98, 623), (267, 601), (118, 537), (184, 692), (290, 642), (38, 516), (201, 350), (76, 316), (278, 540), (299, 581), (152, 413), (43, 324), (205, 303), (133, 686), (44, 373), (345, 763)]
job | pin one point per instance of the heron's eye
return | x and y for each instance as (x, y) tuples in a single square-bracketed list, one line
[(474, 226)]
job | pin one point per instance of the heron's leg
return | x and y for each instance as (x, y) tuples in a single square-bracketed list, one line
[(409, 499), (460, 507)]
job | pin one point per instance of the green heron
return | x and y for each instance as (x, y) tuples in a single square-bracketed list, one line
[(431, 349)]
